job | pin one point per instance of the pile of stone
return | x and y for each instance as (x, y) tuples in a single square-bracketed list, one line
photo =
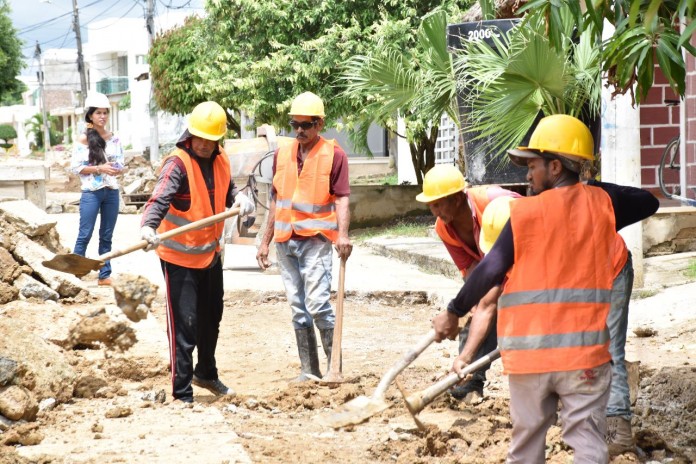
[(137, 183), (28, 236)]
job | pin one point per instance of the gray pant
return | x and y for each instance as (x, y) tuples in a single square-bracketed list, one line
[(617, 322), (533, 405)]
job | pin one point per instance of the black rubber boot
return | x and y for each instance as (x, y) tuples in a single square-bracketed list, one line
[(475, 384), (327, 343), (307, 349)]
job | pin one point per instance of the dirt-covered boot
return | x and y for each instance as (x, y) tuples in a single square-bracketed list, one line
[(307, 349), (471, 392), (619, 436), (327, 343)]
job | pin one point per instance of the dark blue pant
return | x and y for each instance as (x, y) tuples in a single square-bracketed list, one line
[(104, 201), (194, 312)]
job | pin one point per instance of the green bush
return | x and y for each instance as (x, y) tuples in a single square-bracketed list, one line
[(7, 132)]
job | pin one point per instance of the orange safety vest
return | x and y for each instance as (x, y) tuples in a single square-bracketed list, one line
[(304, 204), (552, 315), (478, 200), (620, 254), (196, 249)]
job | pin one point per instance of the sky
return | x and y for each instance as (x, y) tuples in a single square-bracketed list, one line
[(50, 21)]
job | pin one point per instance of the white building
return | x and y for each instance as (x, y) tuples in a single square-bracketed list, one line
[(116, 60)]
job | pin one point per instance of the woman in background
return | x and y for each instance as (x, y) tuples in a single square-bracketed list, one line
[(98, 159)]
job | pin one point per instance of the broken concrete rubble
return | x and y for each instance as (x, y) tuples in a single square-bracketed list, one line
[(33, 254)]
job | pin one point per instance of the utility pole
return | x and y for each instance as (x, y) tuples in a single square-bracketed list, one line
[(80, 58), (154, 131), (44, 116)]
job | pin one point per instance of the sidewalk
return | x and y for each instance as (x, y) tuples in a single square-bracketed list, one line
[(403, 264)]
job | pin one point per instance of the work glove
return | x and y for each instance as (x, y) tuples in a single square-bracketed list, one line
[(149, 234), (245, 205)]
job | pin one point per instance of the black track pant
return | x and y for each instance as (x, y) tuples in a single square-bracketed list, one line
[(194, 311)]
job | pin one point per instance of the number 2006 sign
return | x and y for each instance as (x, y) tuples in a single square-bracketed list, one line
[(480, 34)]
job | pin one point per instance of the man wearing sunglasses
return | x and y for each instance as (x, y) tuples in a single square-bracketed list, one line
[(308, 213)]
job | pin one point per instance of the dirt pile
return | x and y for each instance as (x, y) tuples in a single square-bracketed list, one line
[(136, 183)]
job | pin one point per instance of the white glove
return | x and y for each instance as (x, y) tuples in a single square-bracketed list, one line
[(149, 234), (245, 205)]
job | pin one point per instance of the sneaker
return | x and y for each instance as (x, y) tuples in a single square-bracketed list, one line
[(619, 436), (216, 386), (104, 282), (468, 391)]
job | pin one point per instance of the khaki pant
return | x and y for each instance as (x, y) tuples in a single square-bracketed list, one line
[(533, 405)]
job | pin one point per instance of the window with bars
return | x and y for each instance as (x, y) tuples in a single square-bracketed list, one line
[(446, 145)]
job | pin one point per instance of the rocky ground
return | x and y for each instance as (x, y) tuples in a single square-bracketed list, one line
[(99, 403), (84, 376)]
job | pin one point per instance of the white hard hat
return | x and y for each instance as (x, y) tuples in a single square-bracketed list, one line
[(97, 100)]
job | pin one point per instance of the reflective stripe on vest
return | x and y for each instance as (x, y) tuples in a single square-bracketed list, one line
[(552, 314), (304, 204), (196, 249)]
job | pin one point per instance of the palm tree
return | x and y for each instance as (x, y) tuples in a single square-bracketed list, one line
[(35, 126), (417, 86), (506, 85), (643, 30)]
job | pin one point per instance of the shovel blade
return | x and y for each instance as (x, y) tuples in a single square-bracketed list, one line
[(355, 411), (73, 264)]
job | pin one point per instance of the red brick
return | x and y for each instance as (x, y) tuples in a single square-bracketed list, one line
[(659, 77), (691, 130), (671, 94), (675, 115), (670, 176), (646, 137), (662, 135), (654, 115), (648, 177), (650, 156), (656, 95)]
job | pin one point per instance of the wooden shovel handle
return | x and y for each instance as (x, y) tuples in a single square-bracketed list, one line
[(171, 233), (403, 363), (419, 400), (338, 326)]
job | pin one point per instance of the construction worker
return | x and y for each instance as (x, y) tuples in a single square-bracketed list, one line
[(194, 183), (458, 209), (308, 213), (559, 249)]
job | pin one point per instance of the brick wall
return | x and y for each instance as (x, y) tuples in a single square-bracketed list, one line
[(690, 138), (659, 123)]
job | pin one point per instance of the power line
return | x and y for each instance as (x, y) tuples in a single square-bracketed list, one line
[(33, 27)]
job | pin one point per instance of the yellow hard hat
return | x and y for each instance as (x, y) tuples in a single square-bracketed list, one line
[(442, 180), (558, 134), (208, 120), (307, 104), (494, 218)]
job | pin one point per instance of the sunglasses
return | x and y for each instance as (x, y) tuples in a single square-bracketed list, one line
[(305, 125)]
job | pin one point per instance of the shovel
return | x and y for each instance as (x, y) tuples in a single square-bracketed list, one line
[(361, 408), (416, 402), (80, 266), (334, 375)]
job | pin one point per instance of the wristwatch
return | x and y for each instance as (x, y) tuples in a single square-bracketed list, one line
[(98, 170)]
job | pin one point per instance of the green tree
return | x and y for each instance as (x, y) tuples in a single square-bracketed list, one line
[(10, 57), (643, 31), (35, 126), (176, 59), (7, 133), (271, 51), (415, 84)]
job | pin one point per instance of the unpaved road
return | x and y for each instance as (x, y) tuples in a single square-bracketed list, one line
[(116, 415), (271, 420)]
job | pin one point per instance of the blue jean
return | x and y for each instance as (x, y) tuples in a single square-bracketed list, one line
[(305, 267), (104, 201), (617, 321)]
